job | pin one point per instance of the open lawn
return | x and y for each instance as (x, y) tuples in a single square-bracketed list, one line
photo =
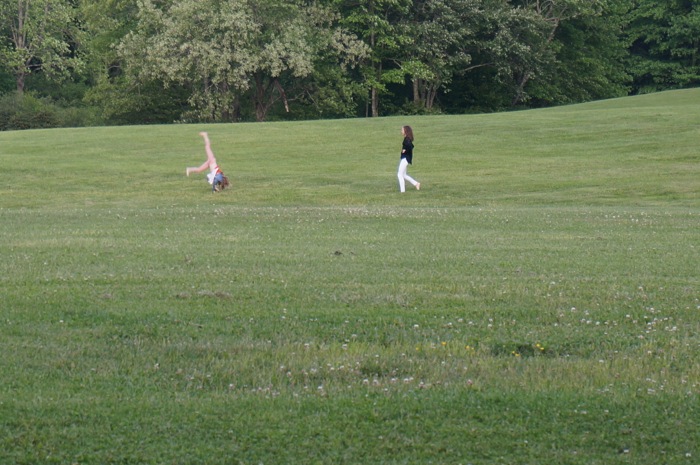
[(536, 302)]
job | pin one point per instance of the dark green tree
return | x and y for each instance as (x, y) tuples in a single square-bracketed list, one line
[(445, 34), (121, 99), (38, 36), (665, 44), (381, 25), (589, 59), (533, 45)]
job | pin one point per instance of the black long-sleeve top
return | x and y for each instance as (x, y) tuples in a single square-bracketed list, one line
[(407, 150)]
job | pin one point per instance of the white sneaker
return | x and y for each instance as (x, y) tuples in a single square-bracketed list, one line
[(418, 186)]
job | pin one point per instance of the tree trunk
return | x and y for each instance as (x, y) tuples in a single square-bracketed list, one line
[(259, 99), (19, 79), (520, 89), (430, 99), (375, 102)]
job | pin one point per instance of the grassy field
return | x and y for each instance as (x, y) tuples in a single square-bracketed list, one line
[(536, 302)]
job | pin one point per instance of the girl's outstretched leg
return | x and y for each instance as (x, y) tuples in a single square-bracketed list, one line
[(197, 169), (211, 160)]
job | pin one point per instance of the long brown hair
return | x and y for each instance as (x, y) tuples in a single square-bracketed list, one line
[(221, 184), (408, 132)]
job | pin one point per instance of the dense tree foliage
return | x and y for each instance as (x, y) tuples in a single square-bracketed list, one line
[(161, 61), (581, 56), (38, 36), (664, 44)]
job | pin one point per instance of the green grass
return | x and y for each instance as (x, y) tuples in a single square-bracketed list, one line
[(537, 302)]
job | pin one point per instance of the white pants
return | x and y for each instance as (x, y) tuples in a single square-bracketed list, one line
[(403, 177)]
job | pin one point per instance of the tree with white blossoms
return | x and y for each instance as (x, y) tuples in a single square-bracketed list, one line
[(229, 49), (38, 35)]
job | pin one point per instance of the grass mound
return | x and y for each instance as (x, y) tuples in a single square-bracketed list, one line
[(537, 301)]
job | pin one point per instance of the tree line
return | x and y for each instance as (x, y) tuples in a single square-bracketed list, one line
[(87, 62)]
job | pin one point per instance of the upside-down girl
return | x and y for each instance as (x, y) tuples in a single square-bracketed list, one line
[(215, 177)]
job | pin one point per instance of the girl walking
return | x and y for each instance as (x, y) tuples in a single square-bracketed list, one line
[(406, 159)]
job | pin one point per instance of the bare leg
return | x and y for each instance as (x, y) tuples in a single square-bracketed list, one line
[(211, 160), (197, 169), (207, 149)]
